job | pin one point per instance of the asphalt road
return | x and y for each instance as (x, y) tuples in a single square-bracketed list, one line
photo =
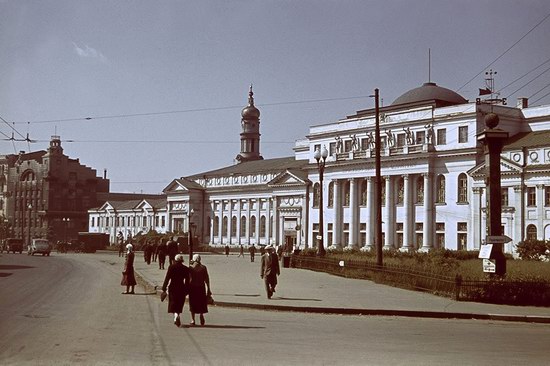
[(68, 309)]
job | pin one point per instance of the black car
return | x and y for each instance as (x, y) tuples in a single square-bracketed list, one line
[(13, 245)]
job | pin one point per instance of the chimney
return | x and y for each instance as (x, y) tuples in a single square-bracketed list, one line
[(104, 173), (522, 103)]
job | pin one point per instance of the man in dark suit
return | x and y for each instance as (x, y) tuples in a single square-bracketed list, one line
[(270, 270), (172, 248)]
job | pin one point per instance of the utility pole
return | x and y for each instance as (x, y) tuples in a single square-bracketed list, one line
[(377, 183)]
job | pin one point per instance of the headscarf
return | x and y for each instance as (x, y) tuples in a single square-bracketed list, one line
[(129, 247), (196, 258), (179, 258)]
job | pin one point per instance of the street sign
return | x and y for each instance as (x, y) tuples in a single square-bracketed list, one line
[(489, 265), (485, 251), (497, 239)]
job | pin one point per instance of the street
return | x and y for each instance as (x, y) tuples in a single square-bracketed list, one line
[(68, 309)]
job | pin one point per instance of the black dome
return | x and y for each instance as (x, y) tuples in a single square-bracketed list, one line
[(430, 91)]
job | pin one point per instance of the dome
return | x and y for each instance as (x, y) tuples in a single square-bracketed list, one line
[(250, 112), (430, 91)]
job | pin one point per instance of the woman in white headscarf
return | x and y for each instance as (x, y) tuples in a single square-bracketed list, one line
[(128, 277), (176, 282), (199, 289)]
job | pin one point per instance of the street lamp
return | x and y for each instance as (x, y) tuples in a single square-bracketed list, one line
[(189, 234), (321, 157), (66, 221), (30, 211)]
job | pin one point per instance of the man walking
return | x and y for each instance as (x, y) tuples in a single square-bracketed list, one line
[(270, 270), (241, 252), (252, 251)]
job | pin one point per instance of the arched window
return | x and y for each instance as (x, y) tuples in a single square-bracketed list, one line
[(316, 194), (363, 189), (234, 226), (243, 226), (346, 193), (400, 191), (216, 226), (420, 189), (224, 226), (252, 229), (208, 224), (440, 189), (531, 232), (462, 188), (262, 226), (330, 202)]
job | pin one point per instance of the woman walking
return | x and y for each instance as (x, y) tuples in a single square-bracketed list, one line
[(128, 277), (199, 289), (177, 282)]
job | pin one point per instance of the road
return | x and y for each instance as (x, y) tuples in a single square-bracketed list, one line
[(68, 309)]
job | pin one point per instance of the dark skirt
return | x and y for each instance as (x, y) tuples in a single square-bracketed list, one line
[(176, 300), (197, 300), (128, 278)]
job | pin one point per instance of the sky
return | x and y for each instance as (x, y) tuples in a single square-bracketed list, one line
[(152, 90)]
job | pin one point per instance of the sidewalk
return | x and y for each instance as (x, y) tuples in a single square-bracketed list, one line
[(236, 282)]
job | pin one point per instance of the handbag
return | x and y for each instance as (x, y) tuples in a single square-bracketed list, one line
[(209, 299), (163, 295)]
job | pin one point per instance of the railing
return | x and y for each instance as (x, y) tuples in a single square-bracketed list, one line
[(493, 291)]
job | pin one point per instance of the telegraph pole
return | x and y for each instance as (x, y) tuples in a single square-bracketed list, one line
[(377, 183)]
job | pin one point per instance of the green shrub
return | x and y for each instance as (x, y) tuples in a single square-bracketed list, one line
[(534, 250)]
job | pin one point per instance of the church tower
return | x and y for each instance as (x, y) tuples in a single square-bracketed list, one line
[(250, 135)]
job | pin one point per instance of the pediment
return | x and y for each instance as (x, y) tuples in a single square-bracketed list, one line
[(144, 205), (507, 167), (106, 206), (287, 178), (176, 186)]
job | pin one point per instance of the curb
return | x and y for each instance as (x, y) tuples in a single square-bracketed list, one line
[(366, 312)]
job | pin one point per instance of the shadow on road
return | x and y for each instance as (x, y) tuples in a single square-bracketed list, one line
[(214, 326), (294, 299), (11, 267)]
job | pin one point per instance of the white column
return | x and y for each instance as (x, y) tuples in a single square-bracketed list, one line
[(239, 222), (540, 211), (212, 215), (337, 207), (475, 238), (517, 215), (220, 223), (268, 221), (258, 203), (370, 213), (388, 227), (408, 220), (428, 214), (354, 211)]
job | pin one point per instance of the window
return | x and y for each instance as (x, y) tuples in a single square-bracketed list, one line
[(234, 226), (329, 234), (400, 139), (363, 234), (420, 189), (441, 136), (463, 134), (93, 222), (531, 196), (316, 194), (330, 194), (316, 147), (216, 226), (262, 226), (420, 137), (546, 196), (252, 229), (346, 193), (364, 183), (144, 220), (440, 189), (332, 148), (400, 191), (462, 235), (242, 231), (315, 232), (162, 221), (531, 232), (224, 225), (462, 188), (504, 196), (347, 146)]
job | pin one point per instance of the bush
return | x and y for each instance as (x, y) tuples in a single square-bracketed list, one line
[(534, 250)]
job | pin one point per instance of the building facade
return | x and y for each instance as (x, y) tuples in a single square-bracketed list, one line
[(47, 194)]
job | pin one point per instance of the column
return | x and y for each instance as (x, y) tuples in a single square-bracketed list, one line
[(274, 229), (212, 222), (540, 211), (475, 231), (258, 204), (388, 227), (519, 209), (268, 221), (220, 222), (370, 213), (408, 219), (428, 214), (239, 222), (337, 208), (354, 211)]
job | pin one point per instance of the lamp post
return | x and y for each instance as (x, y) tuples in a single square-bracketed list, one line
[(321, 157), (66, 221), (30, 211), (189, 234)]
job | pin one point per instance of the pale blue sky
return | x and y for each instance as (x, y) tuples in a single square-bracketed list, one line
[(72, 59)]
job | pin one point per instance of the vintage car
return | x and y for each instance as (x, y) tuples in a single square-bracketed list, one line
[(13, 245), (41, 246)]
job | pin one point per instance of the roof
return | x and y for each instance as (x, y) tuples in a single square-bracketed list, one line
[(253, 167), (430, 92), (528, 139)]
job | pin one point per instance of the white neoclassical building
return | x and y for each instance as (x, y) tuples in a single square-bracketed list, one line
[(433, 180)]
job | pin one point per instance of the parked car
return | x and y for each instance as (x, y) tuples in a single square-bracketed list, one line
[(13, 245), (39, 246)]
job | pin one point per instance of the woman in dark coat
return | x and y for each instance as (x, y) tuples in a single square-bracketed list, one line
[(199, 289), (128, 277), (177, 282), (161, 252)]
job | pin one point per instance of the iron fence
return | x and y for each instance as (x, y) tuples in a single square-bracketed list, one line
[(493, 290)]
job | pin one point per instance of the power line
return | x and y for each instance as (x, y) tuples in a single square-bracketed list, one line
[(529, 82), (129, 115), (545, 95), (538, 91), (505, 52), (164, 141), (524, 75)]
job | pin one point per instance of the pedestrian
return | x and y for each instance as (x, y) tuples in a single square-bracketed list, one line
[(226, 250), (172, 247), (128, 277), (176, 282), (199, 289), (155, 250), (121, 249), (252, 251), (241, 252), (161, 251), (148, 252), (270, 270)]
